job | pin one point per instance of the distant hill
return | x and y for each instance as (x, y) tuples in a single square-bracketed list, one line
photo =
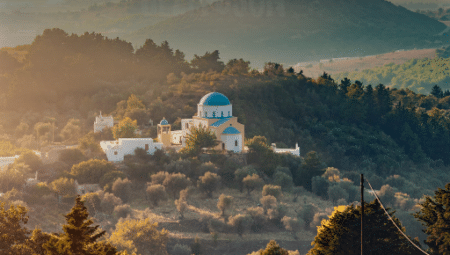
[(417, 75), (293, 31)]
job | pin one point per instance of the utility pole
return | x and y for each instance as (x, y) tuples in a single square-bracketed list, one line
[(362, 210)]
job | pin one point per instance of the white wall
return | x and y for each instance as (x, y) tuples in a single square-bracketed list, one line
[(206, 111), (116, 150), (102, 122), (230, 142)]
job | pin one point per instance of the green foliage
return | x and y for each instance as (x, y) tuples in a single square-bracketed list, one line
[(181, 205), (63, 186), (91, 171), (272, 190), (243, 172), (237, 67), (174, 183), (125, 128), (156, 193), (207, 62), (258, 218), (92, 202), (122, 211), (283, 180), (272, 248), (341, 233), (311, 166), (261, 154), (30, 159), (336, 192), (110, 178), (78, 236), (307, 213), (71, 156), (252, 182), (122, 189), (8, 149), (208, 183), (198, 138), (320, 186), (268, 202), (434, 216), (240, 222), (196, 247), (140, 236), (13, 233), (109, 202), (11, 178), (71, 130), (224, 203)]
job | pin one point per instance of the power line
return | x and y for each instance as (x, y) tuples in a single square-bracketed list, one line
[(390, 218)]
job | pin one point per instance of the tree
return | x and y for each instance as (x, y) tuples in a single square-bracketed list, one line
[(174, 183), (156, 193), (209, 61), (273, 248), (91, 171), (437, 91), (261, 154), (110, 178), (12, 233), (268, 202), (272, 190), (224, 203), (63, 186), (311, 166), (208, 183), (237, 67), (109, 202), (92, 201), (140, 236), (198, 138), (125, 128), (71, 130), (284, 180), (181, 205), (273, 69), (78, 236), (122, 189), (434, 216), (11, 178), (341, 234), (243, 172), (252, 182), (240, 222)]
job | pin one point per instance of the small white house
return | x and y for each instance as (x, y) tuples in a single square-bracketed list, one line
[(295, 152), (82, 189), (102, 122), (116, 150)]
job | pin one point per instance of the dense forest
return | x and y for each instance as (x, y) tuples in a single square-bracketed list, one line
[(53, 89)]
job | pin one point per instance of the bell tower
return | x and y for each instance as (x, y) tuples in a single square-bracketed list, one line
[(164, 132)]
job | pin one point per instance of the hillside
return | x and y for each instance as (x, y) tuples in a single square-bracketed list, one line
[(292, 31), (418, 75)]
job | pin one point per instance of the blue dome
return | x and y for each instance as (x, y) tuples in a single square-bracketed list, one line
[(214, 98), (231, 131), (164, 122)]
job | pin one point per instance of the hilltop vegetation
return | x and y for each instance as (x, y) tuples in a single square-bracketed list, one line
[(418, 75)]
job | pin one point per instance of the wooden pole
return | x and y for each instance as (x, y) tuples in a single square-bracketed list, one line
[(362, 210)]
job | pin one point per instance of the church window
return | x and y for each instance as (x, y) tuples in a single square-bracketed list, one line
[(222, 114), (146, 147), (214, 114), (187, 125), (206, 114), (115, 153), (236, 143), (228, 113)]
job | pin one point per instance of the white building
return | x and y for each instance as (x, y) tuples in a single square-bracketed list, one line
[(103, 122), (116, 150), (295, 152)]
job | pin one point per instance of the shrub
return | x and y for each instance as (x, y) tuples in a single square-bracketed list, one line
[(317, 220), (240, 222), (283, 180), (122, 188), (179, 166), (156, 193), (216, 225), (208, 183), (196, 247), (224, 203), (272, 190), (13, 195), (159, 177), (180, 249), (243, 172), (297, 191), (376, 182), (252, 182), (122, 211), (387, 195), (320, 186), (92, 202), (109, 178), (91, 171), (258, 218), (332, 174), (63, 186), (181, 207), (352, 176), (336, 192), (282, 169), (307, 214), (268, 202), (71, 156), (109, 201), (351, 189), (205, 167), (174, 183), (396, 181), (292, 224), (185, 193)]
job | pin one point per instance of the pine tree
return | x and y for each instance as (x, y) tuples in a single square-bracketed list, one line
[(79, 237)]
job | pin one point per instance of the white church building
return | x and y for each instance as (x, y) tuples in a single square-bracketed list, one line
[(214, 111)]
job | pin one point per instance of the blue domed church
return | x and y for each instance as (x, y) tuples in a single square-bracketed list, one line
[(215, 112)]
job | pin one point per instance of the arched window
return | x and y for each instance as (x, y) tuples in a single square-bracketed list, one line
[(187, 125), (236, 143), (228, 113), (214, 114), (222, 114), (206, 114)]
